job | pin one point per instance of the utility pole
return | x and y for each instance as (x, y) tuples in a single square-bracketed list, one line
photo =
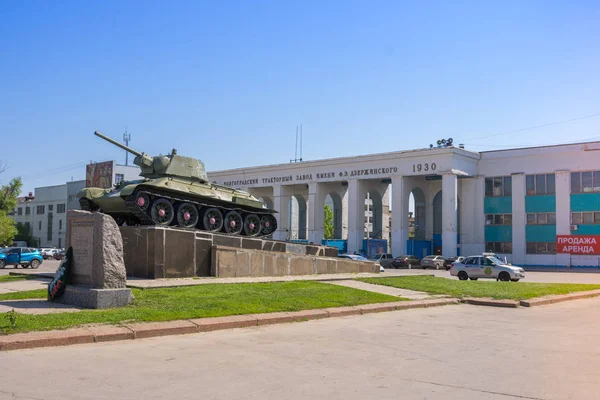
[(126, 138)]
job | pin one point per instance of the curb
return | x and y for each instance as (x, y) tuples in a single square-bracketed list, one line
[(133, 331), (540, 301), (477, 301)]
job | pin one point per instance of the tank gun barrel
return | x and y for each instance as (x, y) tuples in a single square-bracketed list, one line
[(135, 153)]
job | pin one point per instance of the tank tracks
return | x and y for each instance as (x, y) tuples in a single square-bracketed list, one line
[(141, 216)]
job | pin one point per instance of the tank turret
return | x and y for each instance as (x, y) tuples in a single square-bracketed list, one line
[(176, 191), (171, 165)]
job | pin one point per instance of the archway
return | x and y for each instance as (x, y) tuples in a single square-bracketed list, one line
[(417, 229), (373, 215), (437, 221), (334, 201), (297, 218)]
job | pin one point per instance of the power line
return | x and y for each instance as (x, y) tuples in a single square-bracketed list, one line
[(534, 127)]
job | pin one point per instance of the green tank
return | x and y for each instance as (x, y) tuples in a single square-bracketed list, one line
[(175, 191)]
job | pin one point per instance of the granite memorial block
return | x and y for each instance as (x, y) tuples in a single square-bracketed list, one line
[(98, 277)]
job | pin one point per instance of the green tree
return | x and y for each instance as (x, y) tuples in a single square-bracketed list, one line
[(8, 202), (328, 227)]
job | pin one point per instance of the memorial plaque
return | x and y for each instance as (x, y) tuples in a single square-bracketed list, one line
[(82, 241)]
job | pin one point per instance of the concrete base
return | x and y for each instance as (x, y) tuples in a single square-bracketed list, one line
[(87, 297), (154, 252)]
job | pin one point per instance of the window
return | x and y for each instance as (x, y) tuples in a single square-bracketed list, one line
[(60, 224), (49, 230), (540, 184), (50, 207), (498, 186), (40, 225), (72, 197), (472, 261), (541, 248), (499, 247), (498, 219), (40, 210), (20, 211), (60, 208), (27, 210), (119, 178), (585, 218), (585, 182), (541, 219)]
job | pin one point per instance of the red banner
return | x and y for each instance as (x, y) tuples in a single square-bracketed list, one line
[(578, 244)]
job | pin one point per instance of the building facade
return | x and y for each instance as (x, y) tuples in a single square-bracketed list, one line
[(45, 212), (516, 202)]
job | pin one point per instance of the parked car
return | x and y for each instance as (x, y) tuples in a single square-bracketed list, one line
[(405, 261), (486, 266), (383, 259), (436, 262), (357, 257), (59, 255), (24, 256), (450, 260)]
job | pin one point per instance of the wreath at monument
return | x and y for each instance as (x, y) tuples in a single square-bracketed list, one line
[(56, 288)]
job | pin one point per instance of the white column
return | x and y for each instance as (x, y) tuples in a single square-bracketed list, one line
[(344, 195), (478, 193), (316, 212), (518, 219), (356, 215), (449, 214), (563, 212), (280, 203), (430, 193), (400, 198), (472, 234)]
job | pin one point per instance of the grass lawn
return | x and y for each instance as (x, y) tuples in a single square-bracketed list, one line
[(12, 278), (480, 288), (25, 294), (205, 301)]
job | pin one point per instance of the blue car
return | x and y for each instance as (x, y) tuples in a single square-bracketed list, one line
[(24, 256)]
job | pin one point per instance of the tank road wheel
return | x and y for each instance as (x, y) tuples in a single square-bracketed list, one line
[(269, 224), (142, 200), (162, 212), (233, 223), (187, 215), (252, 225), (212, 221)]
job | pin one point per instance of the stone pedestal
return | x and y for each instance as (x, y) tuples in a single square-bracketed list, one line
[(154, 252), (98, 278)]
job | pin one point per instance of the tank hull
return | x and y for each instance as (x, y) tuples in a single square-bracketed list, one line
[(176, 202)]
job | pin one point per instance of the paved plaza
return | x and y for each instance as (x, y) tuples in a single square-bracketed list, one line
[(452, 352)]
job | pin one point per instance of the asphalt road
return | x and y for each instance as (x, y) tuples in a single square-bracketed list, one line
[(46, 266), (546, 277), (446, 353)]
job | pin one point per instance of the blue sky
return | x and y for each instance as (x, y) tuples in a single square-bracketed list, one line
[(228, 82)]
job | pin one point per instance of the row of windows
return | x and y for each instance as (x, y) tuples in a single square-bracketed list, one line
[(541, 248), (541, 218), (585, 218), (498, 186), (585, 182), (499, 247), (534, 185), (498, 219), (540, 184), (544, 218), (60, 209), (50, 225)]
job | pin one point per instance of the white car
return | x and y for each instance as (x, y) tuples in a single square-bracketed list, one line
[(487, 265)]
